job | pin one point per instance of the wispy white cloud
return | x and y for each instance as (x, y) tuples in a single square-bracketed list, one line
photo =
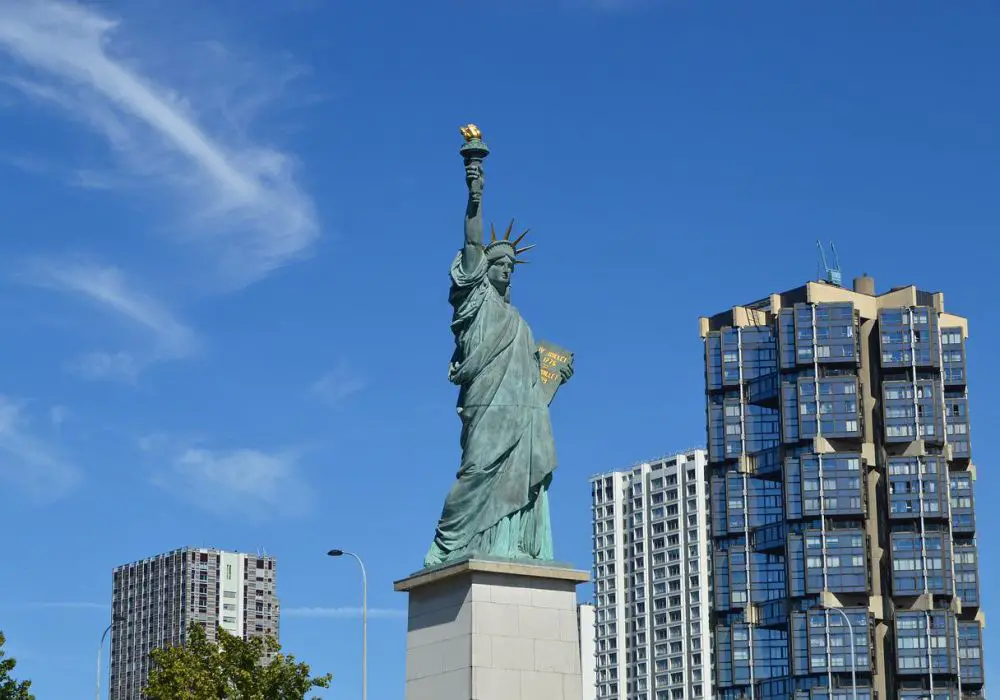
[(27, 461), (308, 612), (107, 288), (336, 385), (248, 480), (246, 207), (373, 613), (120, 365), (58, 415), (59, 605), (27, 163), (84, 178)]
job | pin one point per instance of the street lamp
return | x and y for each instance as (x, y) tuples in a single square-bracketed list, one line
[(854, 665), (114, 619), (364, 617)]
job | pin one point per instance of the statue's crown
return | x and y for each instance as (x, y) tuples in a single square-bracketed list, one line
[(498, 248)]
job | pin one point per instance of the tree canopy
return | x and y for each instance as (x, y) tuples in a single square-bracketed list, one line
[(10, 689), (230, 670)]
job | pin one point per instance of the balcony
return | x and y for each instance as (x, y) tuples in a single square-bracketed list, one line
[(763, 390), (909, 338)]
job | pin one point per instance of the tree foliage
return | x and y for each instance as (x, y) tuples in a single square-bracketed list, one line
[(230, 670), (10, 689)]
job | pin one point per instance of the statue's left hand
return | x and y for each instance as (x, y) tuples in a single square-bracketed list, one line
[(566, 371)]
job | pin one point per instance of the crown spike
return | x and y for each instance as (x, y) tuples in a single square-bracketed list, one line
[(521, 237), (493, 233), (520, 262), (510, 228), (525, 249)]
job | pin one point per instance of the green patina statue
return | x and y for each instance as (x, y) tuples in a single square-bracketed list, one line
[(499, 505)]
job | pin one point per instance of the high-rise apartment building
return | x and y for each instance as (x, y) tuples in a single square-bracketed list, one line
[(845, 561), (652, 580), (157, 599)]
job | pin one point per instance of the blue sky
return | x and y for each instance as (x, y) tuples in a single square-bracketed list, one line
[(228, 227)]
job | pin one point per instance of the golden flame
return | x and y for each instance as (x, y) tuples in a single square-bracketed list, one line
[(470, 131)]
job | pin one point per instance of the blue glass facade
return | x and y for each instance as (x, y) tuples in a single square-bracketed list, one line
[(935, 570), (842, 500)]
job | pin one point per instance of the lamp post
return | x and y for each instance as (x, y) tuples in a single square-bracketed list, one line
[(364, 618), (854, 665), (114, 619)]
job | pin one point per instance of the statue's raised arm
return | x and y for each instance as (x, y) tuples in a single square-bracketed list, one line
[(474, 151)]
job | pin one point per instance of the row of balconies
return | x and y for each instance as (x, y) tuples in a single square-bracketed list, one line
[(840, 640), (827, 335)]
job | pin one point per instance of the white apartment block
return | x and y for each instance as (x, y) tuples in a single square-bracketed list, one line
[(157, 599), (652, 580)]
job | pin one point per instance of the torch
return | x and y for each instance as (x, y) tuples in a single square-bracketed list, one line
[(473, 150)]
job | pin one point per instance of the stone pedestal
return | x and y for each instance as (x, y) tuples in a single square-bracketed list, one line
[(484, 629)]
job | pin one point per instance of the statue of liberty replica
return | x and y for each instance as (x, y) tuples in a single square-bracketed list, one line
[(499, 504)]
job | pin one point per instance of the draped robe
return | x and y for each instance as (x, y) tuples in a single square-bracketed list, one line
[(498, 505)]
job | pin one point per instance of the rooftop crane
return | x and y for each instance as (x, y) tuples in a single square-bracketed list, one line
[(830, 273)]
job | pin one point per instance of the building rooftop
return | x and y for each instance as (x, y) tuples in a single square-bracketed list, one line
[(862, 295)]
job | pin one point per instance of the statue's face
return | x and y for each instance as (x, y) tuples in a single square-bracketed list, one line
[(499, 273)]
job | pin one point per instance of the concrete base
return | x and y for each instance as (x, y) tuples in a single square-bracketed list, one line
[(485, 629)]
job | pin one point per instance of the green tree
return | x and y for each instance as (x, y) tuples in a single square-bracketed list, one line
[(10, 689), (230, 670)]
